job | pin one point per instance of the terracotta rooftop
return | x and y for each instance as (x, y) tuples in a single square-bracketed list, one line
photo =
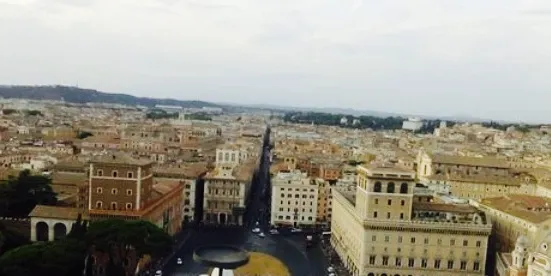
[(165, 186), (469, 161), (120, 158), (56, 212), (187, 170), (534, 209)]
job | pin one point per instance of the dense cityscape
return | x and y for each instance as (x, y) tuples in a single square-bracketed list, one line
[(110, 189)]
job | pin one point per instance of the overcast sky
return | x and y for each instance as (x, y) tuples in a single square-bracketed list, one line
[(489, 59)]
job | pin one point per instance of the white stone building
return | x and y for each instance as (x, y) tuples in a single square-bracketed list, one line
[(294, 199)]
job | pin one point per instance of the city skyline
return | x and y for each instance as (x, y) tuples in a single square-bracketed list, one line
[(486, 60)]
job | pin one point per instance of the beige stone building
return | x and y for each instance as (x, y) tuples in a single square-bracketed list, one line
[(385, 229), (226, 189), (529, 257), (294, 199), (516, 215)]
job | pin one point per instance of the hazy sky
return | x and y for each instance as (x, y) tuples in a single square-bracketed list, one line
[(489, 58)]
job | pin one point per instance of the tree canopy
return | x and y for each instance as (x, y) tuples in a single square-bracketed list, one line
[(120, 239), (123, 242), (19, 195)]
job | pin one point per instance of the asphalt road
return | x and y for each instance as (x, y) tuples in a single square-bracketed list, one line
[(289, 249)]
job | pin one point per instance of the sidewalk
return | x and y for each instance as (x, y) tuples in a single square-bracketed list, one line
[(334, 259)]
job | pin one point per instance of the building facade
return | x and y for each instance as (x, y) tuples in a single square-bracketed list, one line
[(385, 229), (294, 199)]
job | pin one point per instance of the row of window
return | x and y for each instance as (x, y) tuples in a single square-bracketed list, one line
[(114, 191), (296, 203), (298, 196), (437, 264), (289, 210), (115, 174), (296, 218), (296, 189), (223, 191), (426, 241), (390, 188), (113, 205), (389, 202)]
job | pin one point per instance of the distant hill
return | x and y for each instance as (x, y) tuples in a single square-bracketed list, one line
[(82, 96)]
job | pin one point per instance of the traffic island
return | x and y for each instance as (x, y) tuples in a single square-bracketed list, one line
[(224, 258)]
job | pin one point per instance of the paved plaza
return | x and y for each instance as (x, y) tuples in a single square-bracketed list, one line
[(290, 250)]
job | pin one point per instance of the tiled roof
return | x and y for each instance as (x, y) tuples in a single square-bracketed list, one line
[(469, 161), (120, 158), (534, 209), (56, 212)]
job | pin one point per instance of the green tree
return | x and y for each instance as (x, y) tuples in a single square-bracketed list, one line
[(19, 196), (63, 257), (119, 239)]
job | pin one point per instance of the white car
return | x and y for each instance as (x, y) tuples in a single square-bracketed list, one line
[(296, 230), (256, 230), (179, 261), (274, 232), (262, 235), (158, 273), (330, 269)]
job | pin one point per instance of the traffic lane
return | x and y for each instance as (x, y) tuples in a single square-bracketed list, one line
[(291, 250)]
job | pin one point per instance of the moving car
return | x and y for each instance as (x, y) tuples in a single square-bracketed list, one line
[(262, 235), (256, 230), (296, 230), (330, 269), (179, 261), (158, 273), (274, 232)]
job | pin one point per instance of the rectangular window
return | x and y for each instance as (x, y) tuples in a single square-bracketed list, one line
[(372, 260), (439, 241), (398, 261), (426, 240), (401, 215), (465, 243), (437, 264), (478, 243), (388, 215), (411, 262), (390, 202), (387, 238), (385, 260), (373, 238), (400, 239), (403, 202), (413, 240), (476, 266), (130, 175), (452, 242), (463, 265), (450, 264), (375, 214), (376, 201), (424, 263)]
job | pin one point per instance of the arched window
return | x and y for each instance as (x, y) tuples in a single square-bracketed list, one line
[(390, 188), (404, 188), (377, 187), (115, 173), (99, 204)]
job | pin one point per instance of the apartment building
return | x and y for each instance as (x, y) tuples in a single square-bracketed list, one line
[(516, 215), (325, 201), (385, 229), (121, 186), (226, 189), (294, 199)]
